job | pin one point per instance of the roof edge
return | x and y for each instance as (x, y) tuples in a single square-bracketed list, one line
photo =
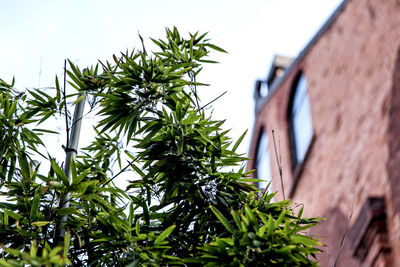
[(275, 85)]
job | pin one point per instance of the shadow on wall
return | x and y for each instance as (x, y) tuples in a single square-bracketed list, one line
[(338, 250), (393, 136)]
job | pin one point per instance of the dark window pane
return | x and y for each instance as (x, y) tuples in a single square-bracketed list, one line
[(301, 121), (263, 163)]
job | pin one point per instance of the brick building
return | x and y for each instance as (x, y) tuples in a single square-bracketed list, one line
[(334, 112)]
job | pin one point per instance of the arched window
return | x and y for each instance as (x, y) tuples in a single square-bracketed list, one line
[(263, 162), (300, 123)]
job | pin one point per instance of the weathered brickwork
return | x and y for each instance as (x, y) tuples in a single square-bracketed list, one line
[(353, 81)]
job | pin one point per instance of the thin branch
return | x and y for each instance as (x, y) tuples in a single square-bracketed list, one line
[(194, 89), (65, 101), (40, 70), (342, 240), (279, 162), (280, 154), (212, 101), (121, 171)]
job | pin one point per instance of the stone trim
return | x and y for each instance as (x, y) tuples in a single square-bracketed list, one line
[(369, 236)]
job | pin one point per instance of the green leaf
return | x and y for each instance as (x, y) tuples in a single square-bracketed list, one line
[(137, 228), (180, 144), (286, 249), (75, 69), (250, 215), (40, 223), (79, 99), (235, 146), (33, 251), (222, 219), (82, 186), (250, 180), (208, 61), (56, 184), (300, 213), (59, 172), (305, 240), (66, 211), (77, 82), (58, 97), (12, 109), (45, 131), (271, 225), (12, 214), (193, 260), (67, 243), (5, 217), (73, 169), (164, 234), (104, 238), (24, 165), (217, 48), (236, 218), (34, 207), (54, 252), (190, 119), (130, 216), (280, 218), (262, 230), (262, 217), (80, 177), (137, 170)]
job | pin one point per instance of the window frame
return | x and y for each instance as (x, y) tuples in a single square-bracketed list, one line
[(262, 133), (297, 166)]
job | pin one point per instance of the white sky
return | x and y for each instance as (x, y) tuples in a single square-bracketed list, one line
[(36, 37)]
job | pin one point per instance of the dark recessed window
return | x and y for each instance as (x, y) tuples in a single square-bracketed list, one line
[(263, 163), (261, 89), (300, 124)]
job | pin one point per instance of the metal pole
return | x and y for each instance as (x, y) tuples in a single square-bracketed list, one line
[(70, 152)]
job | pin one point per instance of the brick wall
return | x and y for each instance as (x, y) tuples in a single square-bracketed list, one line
[(355, 105)]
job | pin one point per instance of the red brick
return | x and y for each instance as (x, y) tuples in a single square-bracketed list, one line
[(353, 78)]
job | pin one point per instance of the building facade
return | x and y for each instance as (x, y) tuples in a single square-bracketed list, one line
[(327, 132)]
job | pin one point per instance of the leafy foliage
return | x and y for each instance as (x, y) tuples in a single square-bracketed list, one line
[(183, 205)]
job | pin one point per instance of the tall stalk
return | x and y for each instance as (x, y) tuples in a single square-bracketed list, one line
[(70, 153)]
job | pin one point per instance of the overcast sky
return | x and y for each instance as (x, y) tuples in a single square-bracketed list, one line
[(36, 37)]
